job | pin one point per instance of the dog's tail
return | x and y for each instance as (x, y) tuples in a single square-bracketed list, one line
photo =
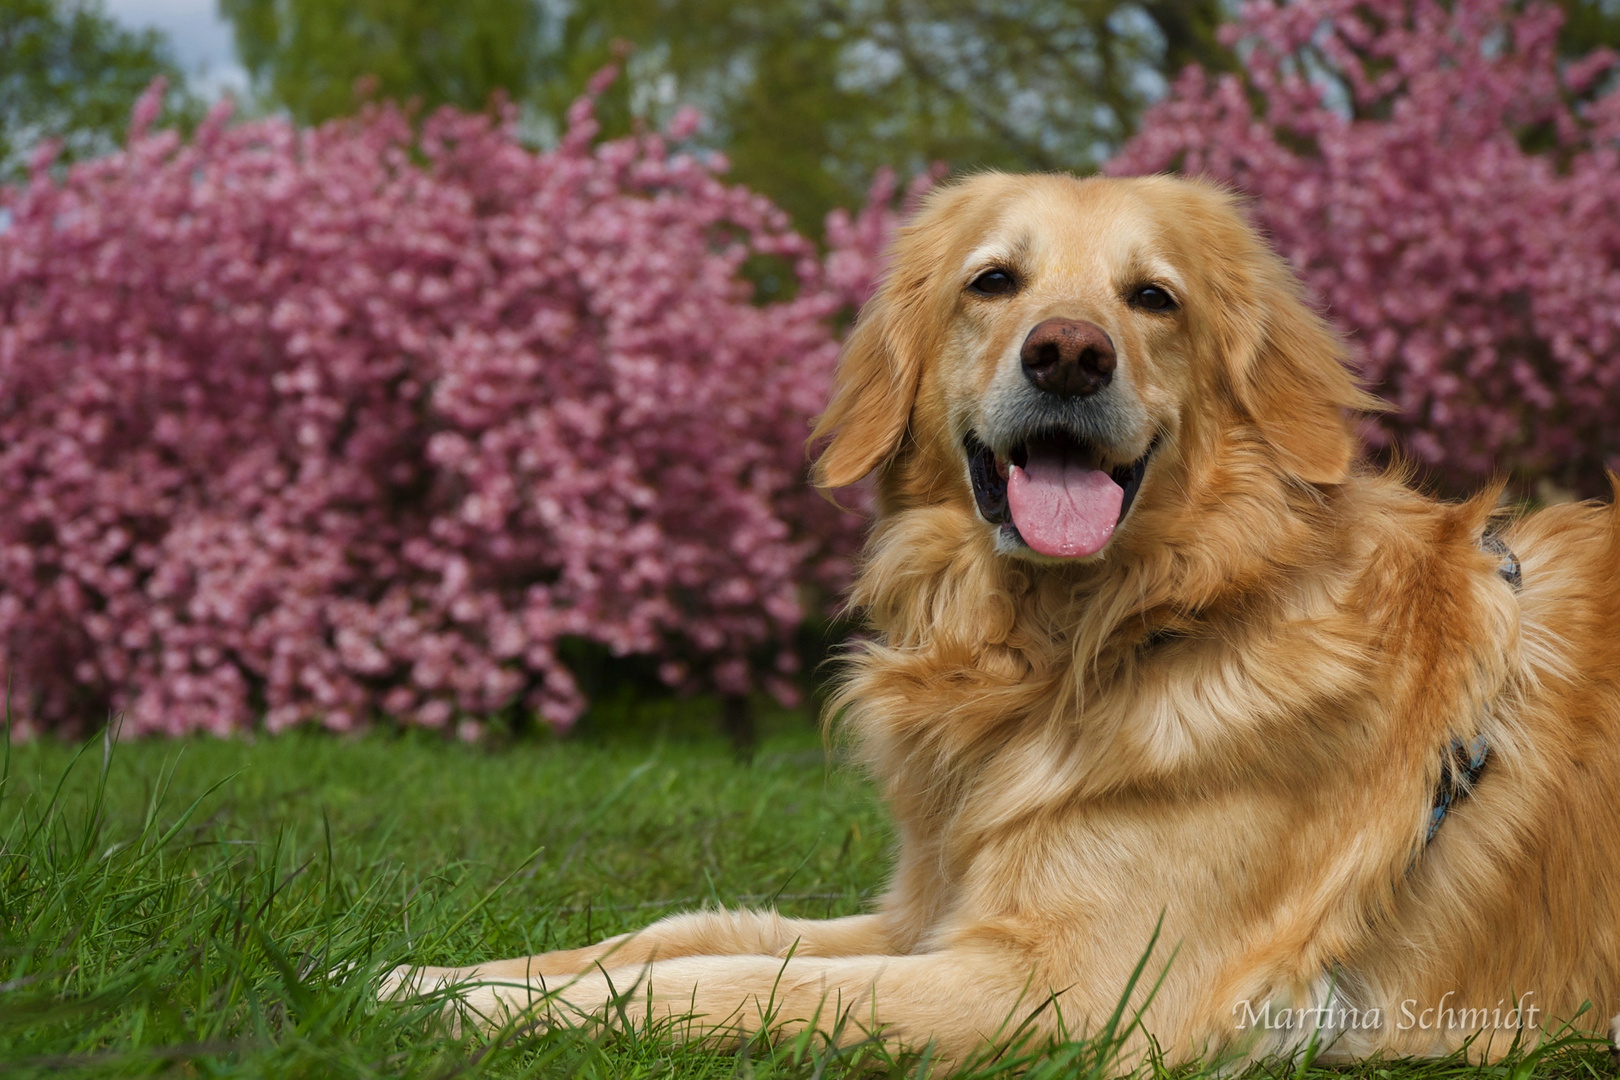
[(1614, 1040)]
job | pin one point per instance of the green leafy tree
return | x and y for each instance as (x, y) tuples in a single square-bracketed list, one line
[(1588, 25), (69, 73), (807, 97), (309, 55)]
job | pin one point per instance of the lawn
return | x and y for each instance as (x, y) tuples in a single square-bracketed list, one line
[(180, 908)]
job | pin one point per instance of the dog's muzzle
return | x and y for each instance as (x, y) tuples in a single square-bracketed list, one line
[(1054, 493)]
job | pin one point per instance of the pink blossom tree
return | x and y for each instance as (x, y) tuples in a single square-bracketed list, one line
[(1449, 188), (322, 425)]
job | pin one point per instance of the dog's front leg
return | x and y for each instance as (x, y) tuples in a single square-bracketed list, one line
[(694, 933), (957, 999)]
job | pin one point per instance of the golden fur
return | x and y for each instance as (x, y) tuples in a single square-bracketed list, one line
[(1232, 718)]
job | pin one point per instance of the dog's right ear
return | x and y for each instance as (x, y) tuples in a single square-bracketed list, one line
[(881, 366), (873, 391)]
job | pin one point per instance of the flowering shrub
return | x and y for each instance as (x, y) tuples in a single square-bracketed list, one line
[(315, 425), (1450, 190)]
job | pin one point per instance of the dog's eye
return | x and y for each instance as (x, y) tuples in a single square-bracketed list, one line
[(1153, 298), (993, 283)]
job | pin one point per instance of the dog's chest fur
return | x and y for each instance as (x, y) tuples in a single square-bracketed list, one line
[(1060, 769)]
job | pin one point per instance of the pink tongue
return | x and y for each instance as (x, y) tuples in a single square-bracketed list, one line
[(1063, 508)]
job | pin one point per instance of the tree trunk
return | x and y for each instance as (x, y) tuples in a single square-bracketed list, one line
[(737, 721)]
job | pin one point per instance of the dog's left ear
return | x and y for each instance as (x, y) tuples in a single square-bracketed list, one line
[(1283, 363), (1291, 379)]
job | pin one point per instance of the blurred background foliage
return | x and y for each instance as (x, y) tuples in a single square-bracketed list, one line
[(69, 73), (808, 98)]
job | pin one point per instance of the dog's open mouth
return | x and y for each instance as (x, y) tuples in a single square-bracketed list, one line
[(1054, 493)]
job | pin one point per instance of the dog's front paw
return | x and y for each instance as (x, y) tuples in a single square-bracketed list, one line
[(411, 980), (473, 999), (453, 988)]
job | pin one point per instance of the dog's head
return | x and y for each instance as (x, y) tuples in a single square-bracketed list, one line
[(1064, 358)]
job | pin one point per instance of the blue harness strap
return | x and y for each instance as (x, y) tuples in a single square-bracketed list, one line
[(1465, 761), (1457, 778), (1508, 567)]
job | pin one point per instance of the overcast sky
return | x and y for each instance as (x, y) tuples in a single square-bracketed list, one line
[(201, 39)]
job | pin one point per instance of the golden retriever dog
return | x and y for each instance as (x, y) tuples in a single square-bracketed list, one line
[(1155, 657)]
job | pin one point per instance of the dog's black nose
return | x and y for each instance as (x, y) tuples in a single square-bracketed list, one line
[(1068, 358)]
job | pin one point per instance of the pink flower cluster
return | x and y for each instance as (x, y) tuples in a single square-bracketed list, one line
[(322, 425), (1451, 190)]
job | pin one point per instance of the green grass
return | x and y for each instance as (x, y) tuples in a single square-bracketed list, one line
[(180, 908)]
